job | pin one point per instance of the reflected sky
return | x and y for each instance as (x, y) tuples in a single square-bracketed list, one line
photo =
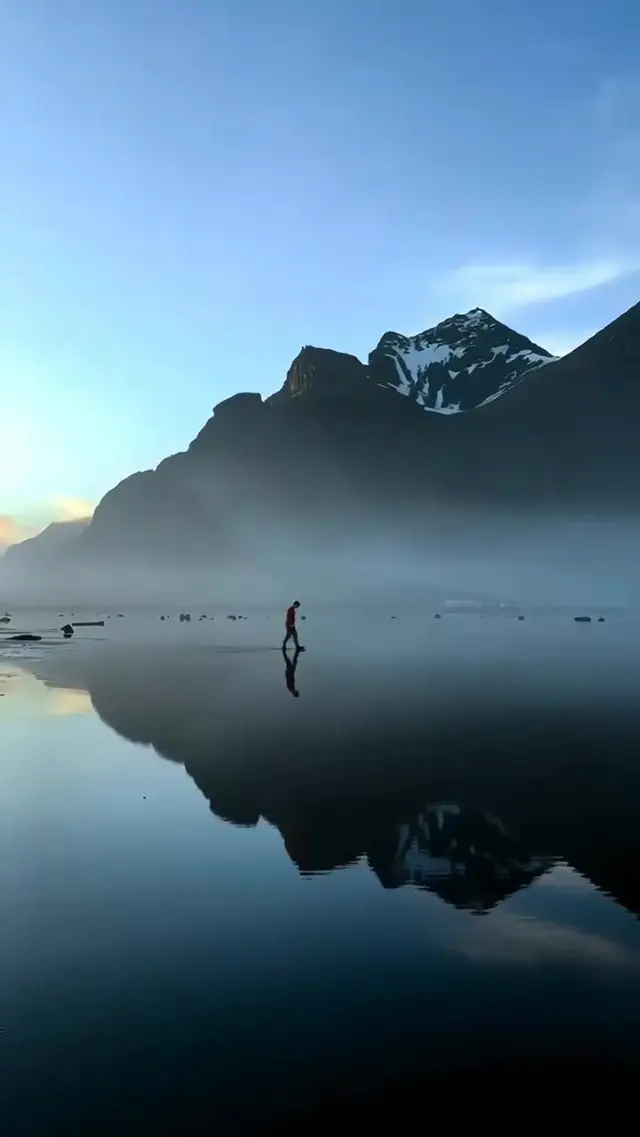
[(200, 875)]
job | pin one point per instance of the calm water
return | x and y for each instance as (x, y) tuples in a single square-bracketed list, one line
[(221, 904)]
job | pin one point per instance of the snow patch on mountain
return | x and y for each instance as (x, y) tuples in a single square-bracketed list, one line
[(436, 367)]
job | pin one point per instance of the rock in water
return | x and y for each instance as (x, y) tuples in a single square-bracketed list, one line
[(67, 631), (582, 619), (25, 637)]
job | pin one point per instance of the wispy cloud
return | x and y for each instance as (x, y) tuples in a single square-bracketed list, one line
[(71, 508), (504, 288), (608, 215)]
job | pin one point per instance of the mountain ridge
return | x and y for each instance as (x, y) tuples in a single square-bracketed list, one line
[(336, 455), (53, 536)]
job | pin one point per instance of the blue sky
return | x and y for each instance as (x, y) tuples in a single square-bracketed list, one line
[(192, 189)]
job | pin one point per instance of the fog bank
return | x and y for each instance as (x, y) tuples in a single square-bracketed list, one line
[(561, 563)]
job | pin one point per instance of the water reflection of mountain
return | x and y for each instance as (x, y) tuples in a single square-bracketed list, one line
[(465, 856), (359, 769)]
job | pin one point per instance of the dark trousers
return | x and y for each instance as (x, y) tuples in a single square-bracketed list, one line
[(291, 635)]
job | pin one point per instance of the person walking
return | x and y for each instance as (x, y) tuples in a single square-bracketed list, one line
[(290, 626)]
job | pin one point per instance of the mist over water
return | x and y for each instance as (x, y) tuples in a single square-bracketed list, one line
[(586, 561)]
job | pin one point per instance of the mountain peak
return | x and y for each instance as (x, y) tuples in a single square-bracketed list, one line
[(244, 402), (324, 373), (472, 318), (477, 315), (463, 362)]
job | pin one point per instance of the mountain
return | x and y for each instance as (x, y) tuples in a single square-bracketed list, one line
[(344, 454), (338, 445), (463, 363), (566, 439), (50, 541)]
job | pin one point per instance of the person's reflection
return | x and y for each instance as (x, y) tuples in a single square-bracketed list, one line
[(290, 672)]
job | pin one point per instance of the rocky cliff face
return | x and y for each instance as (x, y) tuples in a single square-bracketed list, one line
[(319, 372)]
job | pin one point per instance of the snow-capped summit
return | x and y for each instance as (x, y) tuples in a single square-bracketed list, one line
[(465, 361)]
